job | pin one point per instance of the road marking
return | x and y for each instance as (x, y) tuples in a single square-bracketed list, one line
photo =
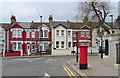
[(69, 72), (47, 75)]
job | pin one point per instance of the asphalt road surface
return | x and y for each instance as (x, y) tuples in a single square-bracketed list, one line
[(39, 67)]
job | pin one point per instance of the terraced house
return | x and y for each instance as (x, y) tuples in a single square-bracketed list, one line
[(52, 37)]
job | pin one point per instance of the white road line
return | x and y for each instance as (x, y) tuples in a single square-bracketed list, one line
[(46, 75)]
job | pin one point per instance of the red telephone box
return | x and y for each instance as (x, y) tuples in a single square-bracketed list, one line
[(83, 57)]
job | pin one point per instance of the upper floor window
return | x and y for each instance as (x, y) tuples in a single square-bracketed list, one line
[(69, 33), (82, 34), (27, 34), (44, 34), (1, 34), (33, 34), (16, 33), (87, 33), (57, 32), (62, 32)]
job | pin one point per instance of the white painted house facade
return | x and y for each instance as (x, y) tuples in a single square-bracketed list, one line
[(62, 38), (2, 39)]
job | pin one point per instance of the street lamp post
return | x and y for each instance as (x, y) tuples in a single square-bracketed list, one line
[(41, 32), (101, 50), (77, 46), (112, 22)]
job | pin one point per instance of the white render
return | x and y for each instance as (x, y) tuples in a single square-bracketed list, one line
[(2, 39), (61, 51), (113, 40)]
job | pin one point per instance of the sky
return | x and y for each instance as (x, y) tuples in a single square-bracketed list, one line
[(61, 10)]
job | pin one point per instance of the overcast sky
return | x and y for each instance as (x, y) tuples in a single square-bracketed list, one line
[(27, 11)]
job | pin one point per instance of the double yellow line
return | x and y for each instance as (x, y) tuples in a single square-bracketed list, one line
[(69, 72)]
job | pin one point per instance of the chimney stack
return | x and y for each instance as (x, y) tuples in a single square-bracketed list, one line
[(13, 19), (85, 20), (50, 19)]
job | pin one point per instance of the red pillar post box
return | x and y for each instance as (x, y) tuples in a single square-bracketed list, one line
[(83, 57)]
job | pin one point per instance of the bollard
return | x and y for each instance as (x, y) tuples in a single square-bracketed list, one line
[(83, 57)]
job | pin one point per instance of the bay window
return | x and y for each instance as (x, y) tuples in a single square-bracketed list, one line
[(16, 46)]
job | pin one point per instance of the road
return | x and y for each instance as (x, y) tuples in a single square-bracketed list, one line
[(39, 67)]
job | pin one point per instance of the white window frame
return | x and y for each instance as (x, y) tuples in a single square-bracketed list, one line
[(62, 32), (69, 33), (62, 45), (87, 34), (17, 46), (82, 34), (69, 44), (27, 33), (57, 44), (33, 34), (44, 34), (16, 33), (57, 32)]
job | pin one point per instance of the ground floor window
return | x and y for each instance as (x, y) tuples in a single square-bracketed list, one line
[(17, 46), (69, 44), (57, 44), (43, 46), (62, 44)]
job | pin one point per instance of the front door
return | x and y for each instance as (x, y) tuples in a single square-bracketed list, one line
[(33, 48), (28, 49)]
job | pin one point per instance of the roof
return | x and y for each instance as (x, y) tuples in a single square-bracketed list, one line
[(5, 25), (64, 24), (25, 24), (35, 25)]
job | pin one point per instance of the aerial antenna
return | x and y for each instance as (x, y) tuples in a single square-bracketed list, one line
[(39, 14)]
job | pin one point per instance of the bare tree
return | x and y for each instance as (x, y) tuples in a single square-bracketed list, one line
[(96, 10)]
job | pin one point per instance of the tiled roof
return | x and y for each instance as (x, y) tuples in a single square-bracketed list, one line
[(5, 25), (37, 24)]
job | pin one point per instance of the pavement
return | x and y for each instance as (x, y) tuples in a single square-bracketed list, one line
[(96, 68)]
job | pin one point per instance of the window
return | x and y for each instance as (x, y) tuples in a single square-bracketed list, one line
[(27, 34), (69, 44), (87, 44), (45, 46), (74, 35), (14, 33), (1, 34), (82, 43), (57, 32), (33, 34), (87, 33), (69, 33), (57, 44), (62, 44), (14, 46), (41, 33), (45, 33), (17, 33), (62, 32), (82, 34), (19, 46)]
